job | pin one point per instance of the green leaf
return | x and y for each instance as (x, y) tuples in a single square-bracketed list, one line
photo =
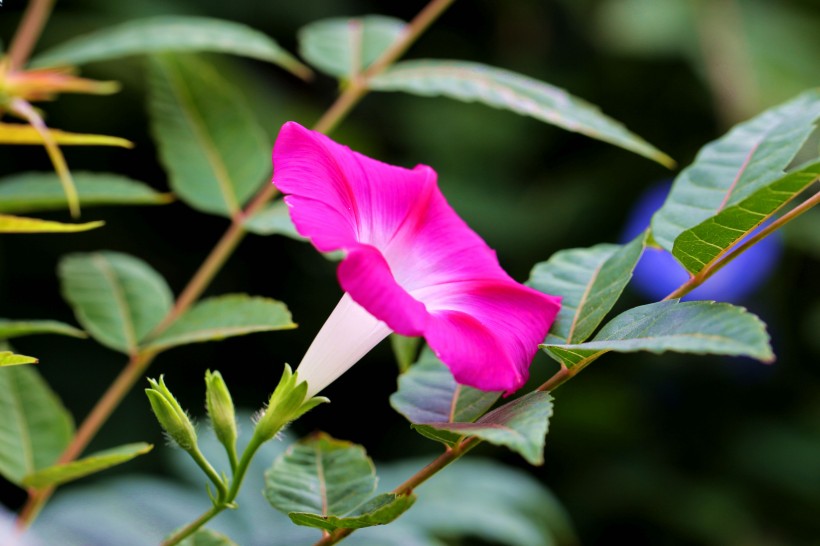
[(428, 394), (750, 157), (699, 327), (343, 47), (590, 281), (19, 224), (29, 192), (405, 350), (216, 153), (35, 428), (320, 475), (474, 82), (7, 358), (379, 510), (520, 425), (274, 219), (117, 298), (62, 473), (224, 316), (171, 33), (708, 241), (17, 328), (206, 537)]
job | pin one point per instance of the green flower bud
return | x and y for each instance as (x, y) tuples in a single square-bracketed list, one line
[(220, 409), (170, 415)]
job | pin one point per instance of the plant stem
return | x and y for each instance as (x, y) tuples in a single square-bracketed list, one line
[(29, 30), (192, 527), (714, 267), (202, 462)]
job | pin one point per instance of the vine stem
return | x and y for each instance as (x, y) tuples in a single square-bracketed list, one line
[(34, 19), (140, 361)]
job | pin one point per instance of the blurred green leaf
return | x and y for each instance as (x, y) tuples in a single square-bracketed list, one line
[(343, 47), (7, 358), (224, 316), (62, 473), (726, 172), (699, 327), (520, 425), (117, 298), (19, 224), (379, 510), (206, 537), (473, 82), (171, 33), (320, 475), (590, 281), (428, 394), (405, 350), (274, 219), (216, 153), (33, 191), (16, 328), (35, 428), (707, 242)]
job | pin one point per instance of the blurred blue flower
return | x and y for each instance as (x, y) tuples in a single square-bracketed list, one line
[(658, 273)]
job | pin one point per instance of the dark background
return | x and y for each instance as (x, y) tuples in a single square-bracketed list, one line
[(653, 450)]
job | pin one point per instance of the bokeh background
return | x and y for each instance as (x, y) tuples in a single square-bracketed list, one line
[(672, 450)]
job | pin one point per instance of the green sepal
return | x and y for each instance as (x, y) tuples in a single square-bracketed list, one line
[(286, 404)]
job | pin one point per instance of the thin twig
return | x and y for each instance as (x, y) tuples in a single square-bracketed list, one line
[(34, 19)]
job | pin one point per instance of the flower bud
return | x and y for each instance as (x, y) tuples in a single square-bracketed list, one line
[(220, 409), (170, 415)]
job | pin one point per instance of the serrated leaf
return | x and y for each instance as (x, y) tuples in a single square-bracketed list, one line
[(320, 475), (429, 394), (206, 537), (474, 82), (405, 350), (216, 153), (379, 510), (520, 425), (274, 219), (117, 298), (33, 191), (16, 328), (7, 358), (20, 224), (750, 157), (708, 241), (18, 133), (63, 473), (698, 327), (343, 47), (224, 316), (590, 281), (35, 428), (171, 33)]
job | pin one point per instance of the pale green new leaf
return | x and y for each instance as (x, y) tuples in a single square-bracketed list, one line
[(35, 427), (62, 473), (171, 33), (405, 349), (19, 224), (117, 298), (700, 327), (224, 316), (7, 358), (750, 157), (708, 241), (320, 475), (216, 153), (428, 394), (379, 510), (33, 191), (474, 82), (206, 537), (343, 47), (590, 281), (520, 425), (16, 328), (274, 219)]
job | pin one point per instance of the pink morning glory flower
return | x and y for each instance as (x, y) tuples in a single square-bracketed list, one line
[(410, 266)]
